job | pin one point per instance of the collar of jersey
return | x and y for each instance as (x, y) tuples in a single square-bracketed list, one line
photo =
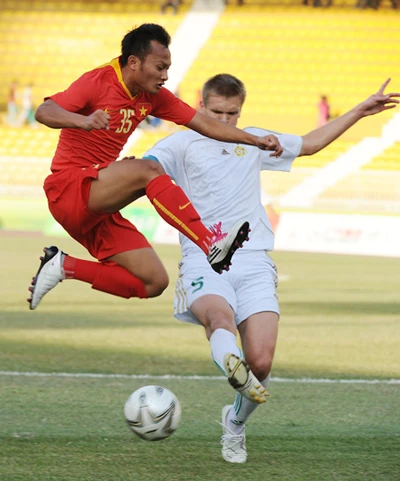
[(117, 67)]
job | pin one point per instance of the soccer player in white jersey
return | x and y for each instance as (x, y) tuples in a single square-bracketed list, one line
[(223, 182)]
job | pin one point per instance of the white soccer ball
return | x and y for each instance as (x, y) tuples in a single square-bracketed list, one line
[(152, 412)]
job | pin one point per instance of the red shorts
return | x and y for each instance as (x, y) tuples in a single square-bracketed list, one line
[(103, 235)]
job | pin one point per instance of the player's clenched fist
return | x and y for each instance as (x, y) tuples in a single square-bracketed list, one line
[(270, 142), (96, 121)]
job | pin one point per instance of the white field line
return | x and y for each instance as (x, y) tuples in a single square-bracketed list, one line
[(303, 380)]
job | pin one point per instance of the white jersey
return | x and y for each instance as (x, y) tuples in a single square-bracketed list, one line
[(222, 180)]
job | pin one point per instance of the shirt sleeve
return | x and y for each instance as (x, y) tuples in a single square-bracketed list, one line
[(81, 96), (167, 106), (291, 145)]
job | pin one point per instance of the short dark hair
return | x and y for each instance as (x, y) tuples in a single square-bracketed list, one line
[(225, 85), (137, 42)]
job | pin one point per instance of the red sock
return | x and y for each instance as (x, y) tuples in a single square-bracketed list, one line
[(106, 277), (174, 207), (80, 269)]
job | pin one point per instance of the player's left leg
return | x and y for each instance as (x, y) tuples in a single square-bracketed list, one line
[(259, 335), (257, 314), (136, 273), (218, 319), (128, 267)]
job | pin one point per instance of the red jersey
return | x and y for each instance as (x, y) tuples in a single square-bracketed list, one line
[(103, 88)]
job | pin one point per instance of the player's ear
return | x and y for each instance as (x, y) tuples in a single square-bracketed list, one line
[(133, 62), (202, 107)]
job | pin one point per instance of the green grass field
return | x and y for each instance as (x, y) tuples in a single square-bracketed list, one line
[(340, 320)]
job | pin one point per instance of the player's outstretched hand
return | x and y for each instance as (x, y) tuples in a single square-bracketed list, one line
[(270, 142), (379, 101), (97, 120)]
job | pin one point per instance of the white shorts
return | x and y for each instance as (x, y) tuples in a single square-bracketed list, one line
[(249, 286)]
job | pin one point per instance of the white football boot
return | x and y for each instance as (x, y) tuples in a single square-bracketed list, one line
[(50, 273), (243, 380), (224, 245), (233, 445)]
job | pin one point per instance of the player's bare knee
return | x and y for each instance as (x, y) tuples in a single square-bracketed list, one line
[(211, 324), (139, 172), (260, 366), (155, 290), (157, 286), (151, 170)]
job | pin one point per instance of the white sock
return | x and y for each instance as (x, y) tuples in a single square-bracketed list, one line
[(241, 411), (223, 342)]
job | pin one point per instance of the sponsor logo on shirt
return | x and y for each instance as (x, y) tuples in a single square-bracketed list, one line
[(240, 151)]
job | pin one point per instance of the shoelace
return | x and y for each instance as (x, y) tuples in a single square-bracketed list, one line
[(235, 440), (216, 229)]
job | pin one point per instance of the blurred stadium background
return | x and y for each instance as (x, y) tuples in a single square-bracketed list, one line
[(345, 199)]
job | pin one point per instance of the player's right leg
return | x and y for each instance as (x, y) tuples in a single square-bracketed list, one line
[(224, 245), (125, 181)]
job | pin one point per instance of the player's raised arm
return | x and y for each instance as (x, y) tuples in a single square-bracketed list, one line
[(52, 115), (225, 132), (319, 138)]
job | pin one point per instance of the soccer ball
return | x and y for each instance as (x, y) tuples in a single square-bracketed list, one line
[(152, 412)]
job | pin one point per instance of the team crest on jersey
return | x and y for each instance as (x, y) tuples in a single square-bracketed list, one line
[(240, 151), (143, 109)]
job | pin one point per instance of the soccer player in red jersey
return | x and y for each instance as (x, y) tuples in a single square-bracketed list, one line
[(87, 187)]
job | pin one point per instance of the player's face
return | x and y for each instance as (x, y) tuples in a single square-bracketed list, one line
[(150, 74), (226, 109)]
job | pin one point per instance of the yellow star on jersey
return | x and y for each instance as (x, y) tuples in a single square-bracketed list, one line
[(143, 111)]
